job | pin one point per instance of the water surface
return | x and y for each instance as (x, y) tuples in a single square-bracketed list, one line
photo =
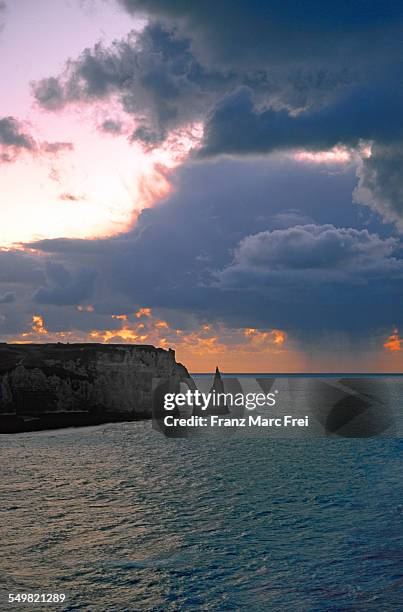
[(120, 518)]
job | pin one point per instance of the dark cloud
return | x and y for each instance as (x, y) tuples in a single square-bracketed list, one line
[(7, 298), (306, 254), (63, 287), (111, 126), (12, 134), (49, 93), (14, 140), (53, 148), (148, 136), (238, 127), (260, 242), (260, 76), (342, 80), (381, 182), (291, 56), (20, 268), (241, 32), (156, 75), (310, 279), (164, 83)]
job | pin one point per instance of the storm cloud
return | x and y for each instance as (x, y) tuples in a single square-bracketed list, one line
[(310, 254), (287, 31), (155, 73), (63, 287), (300, 75), (247, 236), (380, 181), (309, 75), (237, 126), (213, 249)]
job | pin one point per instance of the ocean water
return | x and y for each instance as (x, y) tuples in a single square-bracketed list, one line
[(122, 519)]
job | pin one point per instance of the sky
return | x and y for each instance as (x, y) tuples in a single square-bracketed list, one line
[(222, 178)]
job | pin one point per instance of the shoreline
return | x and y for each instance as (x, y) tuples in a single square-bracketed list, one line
[(14, 424)]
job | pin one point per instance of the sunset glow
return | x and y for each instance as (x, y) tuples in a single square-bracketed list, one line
[(394, 342), (95, 187), (198, 347), (337, 155)]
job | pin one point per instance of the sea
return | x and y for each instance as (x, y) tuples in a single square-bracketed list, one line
[(120, 518)]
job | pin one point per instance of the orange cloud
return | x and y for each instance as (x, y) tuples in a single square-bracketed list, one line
[(198, 345), (155, 186), (200, 349), (249, 331), (256, 337), (337, 155), (279, 336), (38, 325), (125, 333), (161, 325), (143, 312), (394, 342)]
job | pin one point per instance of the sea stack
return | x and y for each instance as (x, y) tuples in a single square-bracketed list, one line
[(218, 387)]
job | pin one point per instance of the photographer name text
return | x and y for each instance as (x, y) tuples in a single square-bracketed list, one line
[(248, 421)]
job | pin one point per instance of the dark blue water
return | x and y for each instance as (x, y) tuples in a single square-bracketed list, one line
[(120, 518)]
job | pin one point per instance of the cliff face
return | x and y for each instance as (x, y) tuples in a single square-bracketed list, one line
[(54, 385)]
